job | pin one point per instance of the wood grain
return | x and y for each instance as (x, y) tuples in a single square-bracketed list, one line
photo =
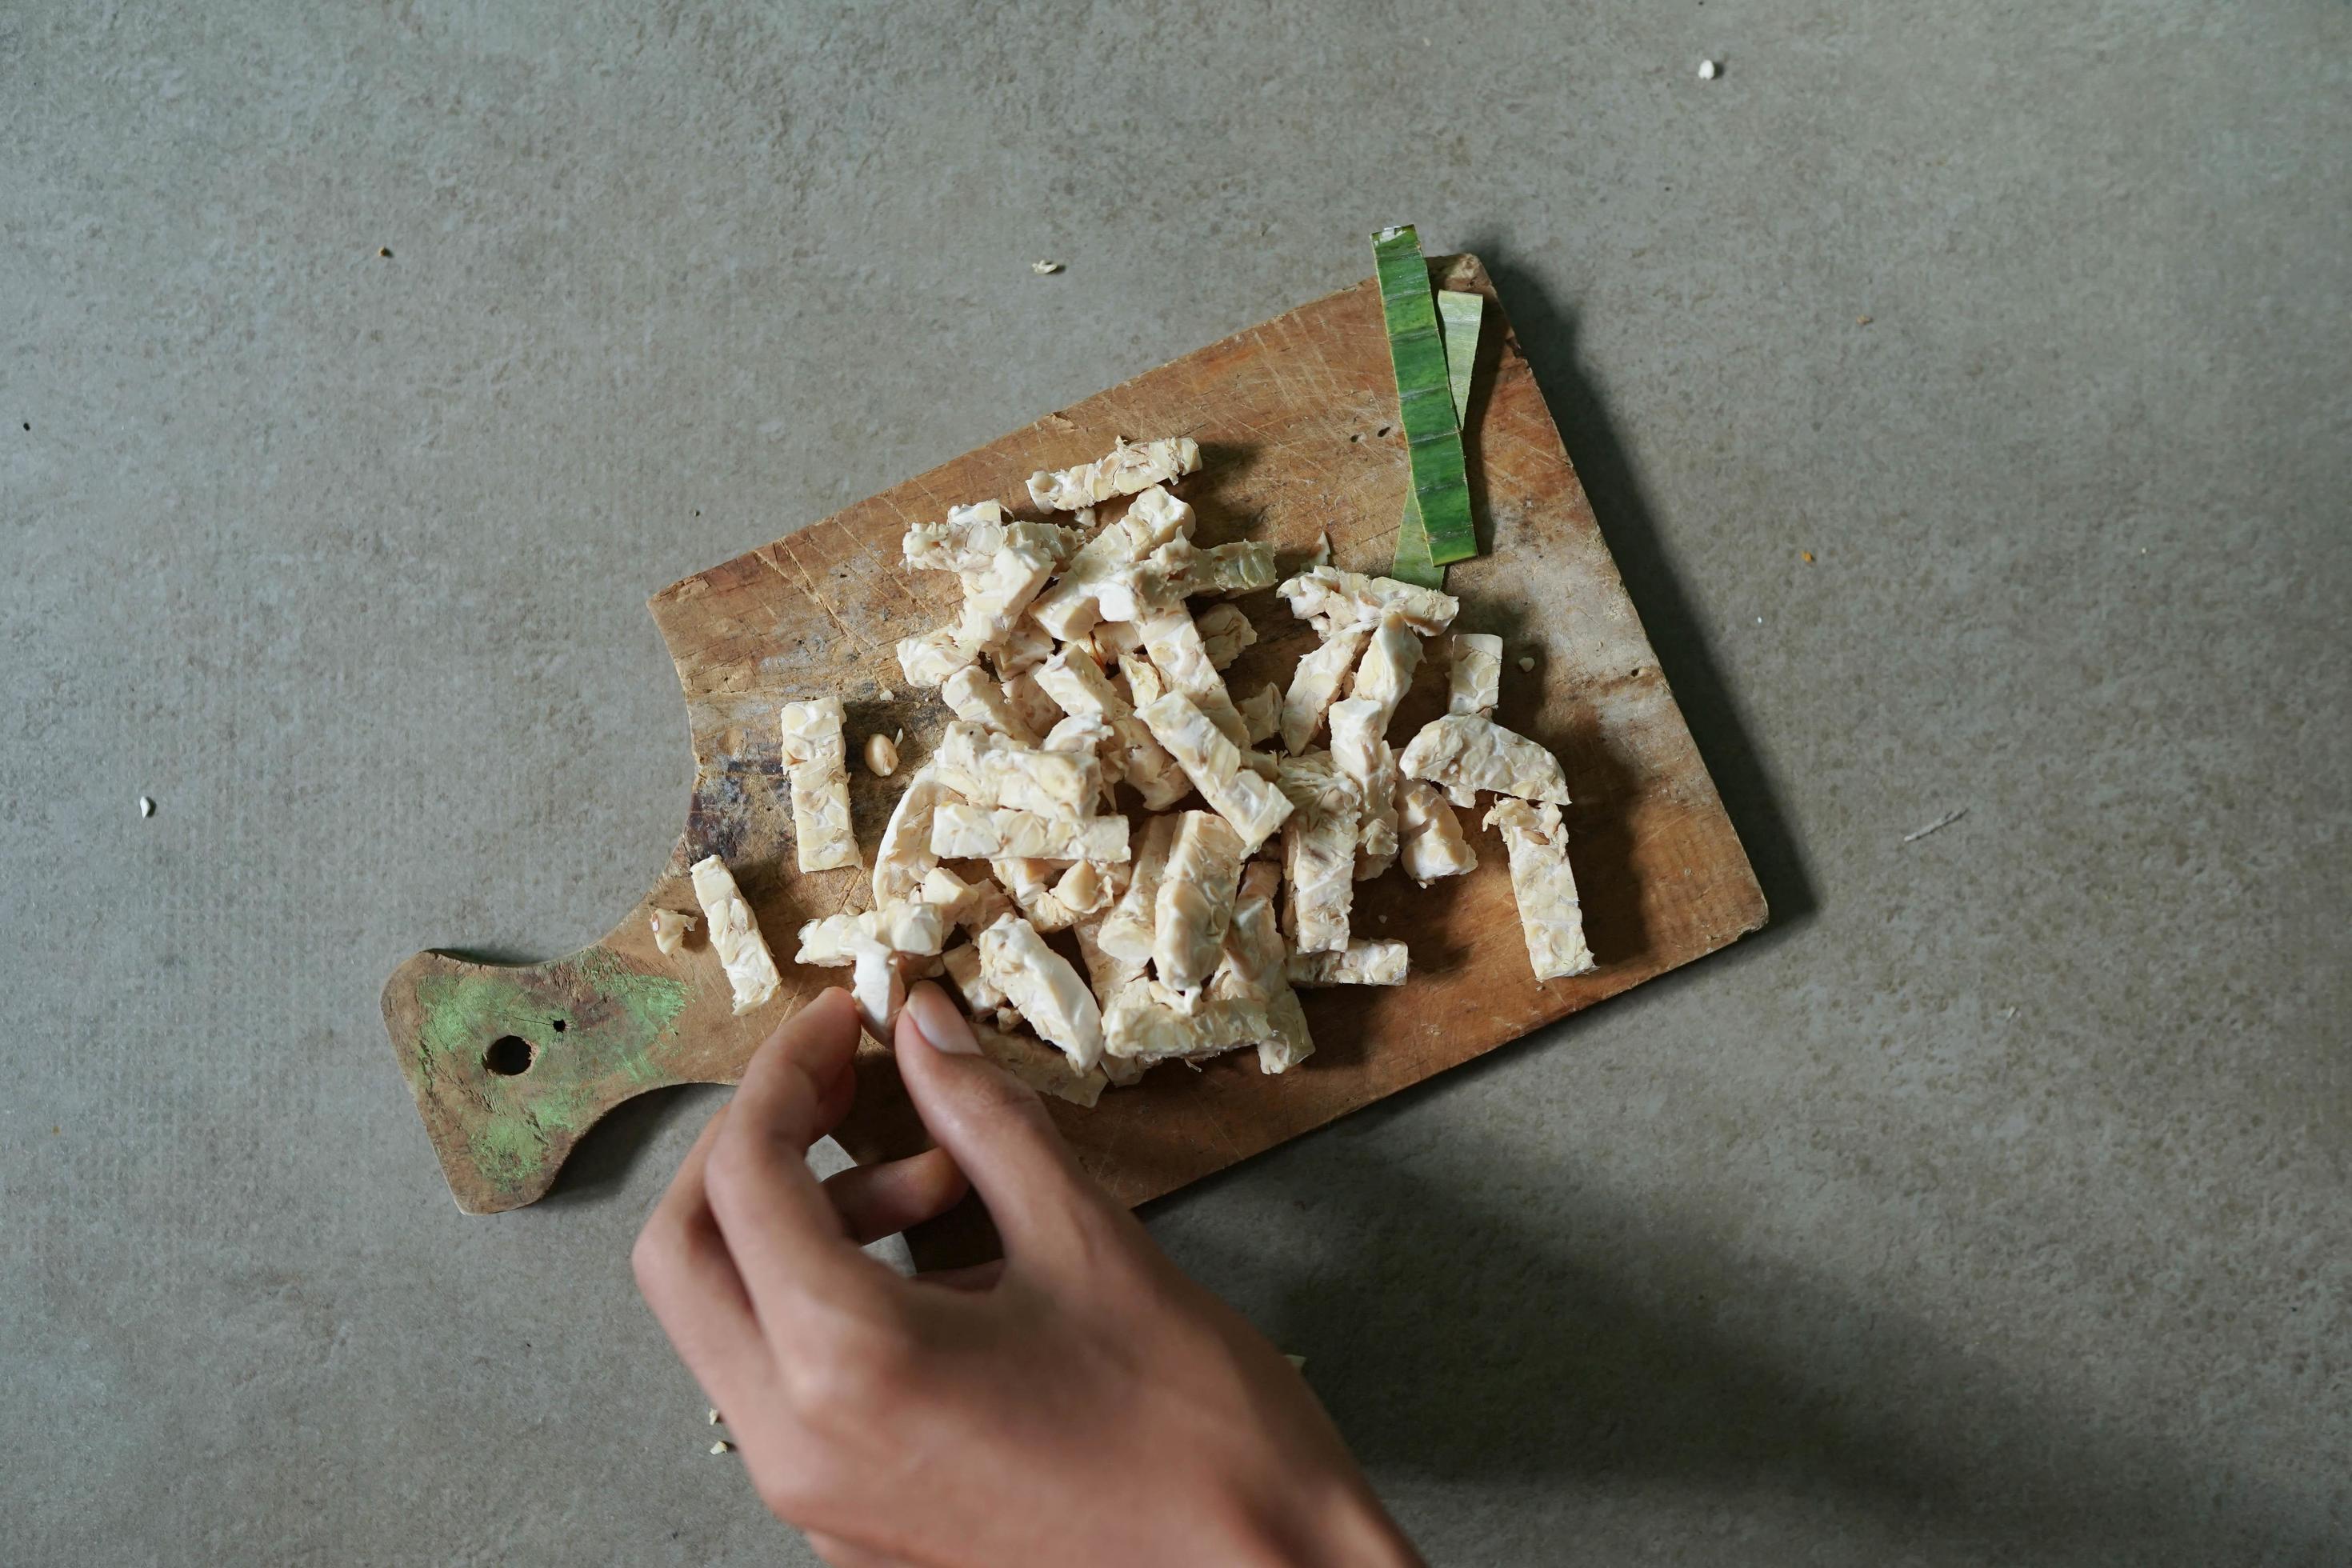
[(1296, 422)]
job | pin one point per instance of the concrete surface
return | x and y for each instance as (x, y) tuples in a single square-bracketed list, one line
[(1991, 1209)]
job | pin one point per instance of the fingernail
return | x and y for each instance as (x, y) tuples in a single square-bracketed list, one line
[(938, 1022)]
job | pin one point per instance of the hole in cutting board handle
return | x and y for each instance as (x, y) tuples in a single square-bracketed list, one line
[(508, 1056)]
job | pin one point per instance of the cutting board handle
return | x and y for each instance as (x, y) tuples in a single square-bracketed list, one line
[(511, 1064)]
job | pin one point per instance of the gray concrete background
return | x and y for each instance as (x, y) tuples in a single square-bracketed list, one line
[(1992, 1207)]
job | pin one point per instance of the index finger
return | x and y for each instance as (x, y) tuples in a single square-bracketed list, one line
[(783, 1233)]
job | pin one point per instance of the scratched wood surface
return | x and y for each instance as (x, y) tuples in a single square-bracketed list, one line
[(510, 1065)]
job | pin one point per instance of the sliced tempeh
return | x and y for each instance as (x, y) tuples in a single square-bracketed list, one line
[(1074, 679), (818, 761), (1125, 932), (1105, 972), (1177, 652), (1550, 911), (917, 930), (1214, 763), (1380, 962), (1031, 883), (1385, 673), (976, 699), (1124, 471), (670, 927), (1020, 650), (1464, 751), (1043, 986), (735, 934), (972, 832), (1039, 1066), (1359, 752), (1319, 851), (1225, 632), (1145, 1023), (1243, 566), (973, 536), (1027, 699), (1473, 680), (904, 858), (1316, 683), (1254, 952), (1195, 900), (1104, 563), (1262, 713), (930, 659), (987, 769), (1430, 840), (1333, 599)]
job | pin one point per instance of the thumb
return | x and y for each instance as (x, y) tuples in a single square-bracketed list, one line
[(997, 1129)]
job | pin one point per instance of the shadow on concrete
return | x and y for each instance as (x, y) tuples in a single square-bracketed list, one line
[(1457, 1333), (1546, 333), (610, 1152)]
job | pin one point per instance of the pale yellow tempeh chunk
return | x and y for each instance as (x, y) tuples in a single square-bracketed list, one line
[(1464, 751), (1225, 632), (1195, 900), (1379, 963), (1255, 968), (961, 962), (1106, 972), (1319, 851), (1260, 714), (972, 832), (1431, 842), (1029, 881), (1104, 564), (1316, 683), (1126, 931), (815, 753), (1179, 654), (1473, 680), (973, 536), (1020, 650), (1124, 471), (670, 927), (1074, 679), (1027, 699), (930, 659), (976, 699), (1550, 911), (1358, 752), (904, 858), (1385, 672), (1254, 950), (987, 769), (1039, 1066), (735, 934), (1040, 984), (1243, 566), (1214, 763), (1333, 599), (918, 930)]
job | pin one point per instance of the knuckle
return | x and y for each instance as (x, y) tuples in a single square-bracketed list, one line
[(734, 1171), (854, 1370), (654, 1255)]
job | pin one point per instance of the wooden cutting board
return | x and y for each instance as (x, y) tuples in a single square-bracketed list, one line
[(1297, 419)]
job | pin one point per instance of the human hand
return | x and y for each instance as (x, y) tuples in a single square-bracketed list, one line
[(1082, 1402)]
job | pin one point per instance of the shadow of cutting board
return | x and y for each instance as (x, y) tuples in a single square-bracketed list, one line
[(511, 1064)]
